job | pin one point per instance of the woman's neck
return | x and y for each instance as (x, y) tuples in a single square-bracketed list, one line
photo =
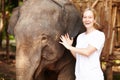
[(90, 30)]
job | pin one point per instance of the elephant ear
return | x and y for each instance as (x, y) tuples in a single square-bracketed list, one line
[(13, 20), (73, 21)]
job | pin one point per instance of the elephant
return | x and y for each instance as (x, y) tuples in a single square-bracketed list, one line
[(37, 29), (13, 20)]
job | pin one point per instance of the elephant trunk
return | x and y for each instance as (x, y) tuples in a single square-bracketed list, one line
[(26, 64), (23, 69)]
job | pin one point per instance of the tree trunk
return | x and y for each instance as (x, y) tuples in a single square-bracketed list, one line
[(3, 18), (109, 72)]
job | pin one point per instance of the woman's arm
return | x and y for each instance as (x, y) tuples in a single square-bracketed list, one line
[(67, 42), (83, 51)]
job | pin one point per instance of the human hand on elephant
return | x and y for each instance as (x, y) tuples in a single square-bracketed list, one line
[(66, 41)]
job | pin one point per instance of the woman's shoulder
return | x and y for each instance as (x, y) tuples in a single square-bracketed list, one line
[(99, 34), (82, 34)]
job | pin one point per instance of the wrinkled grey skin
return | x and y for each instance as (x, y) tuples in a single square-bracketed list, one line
[(37, 30), (13, 20)]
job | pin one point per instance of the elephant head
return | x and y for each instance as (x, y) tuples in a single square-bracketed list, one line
[(37, 31)]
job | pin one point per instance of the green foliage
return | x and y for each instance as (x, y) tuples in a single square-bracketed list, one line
[(20, 3), (9, 5), (11, 37)]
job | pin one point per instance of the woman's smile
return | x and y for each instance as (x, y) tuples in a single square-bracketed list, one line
[(88, 19)]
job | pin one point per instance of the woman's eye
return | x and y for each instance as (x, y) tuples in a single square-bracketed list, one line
[(90, 17), (84, 17)]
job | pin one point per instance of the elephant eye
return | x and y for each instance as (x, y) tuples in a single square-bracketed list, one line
[(44, 39)]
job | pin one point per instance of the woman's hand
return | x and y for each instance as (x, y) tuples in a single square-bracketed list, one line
[(66, 41)]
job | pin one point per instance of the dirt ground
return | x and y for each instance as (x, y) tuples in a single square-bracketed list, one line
[(7, 67)]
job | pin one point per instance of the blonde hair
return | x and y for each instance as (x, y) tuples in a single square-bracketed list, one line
[(96, 25)]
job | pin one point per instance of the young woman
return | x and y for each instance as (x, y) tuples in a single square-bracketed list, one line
[(88, 48)]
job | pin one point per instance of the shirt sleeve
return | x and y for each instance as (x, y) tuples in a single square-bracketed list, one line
[(97, 40)]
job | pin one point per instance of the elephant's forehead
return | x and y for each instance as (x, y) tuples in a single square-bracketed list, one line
[(37, 6), (44, 16), (39, 16)]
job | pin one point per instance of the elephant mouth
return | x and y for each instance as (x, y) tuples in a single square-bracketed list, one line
[(48, 54), (43, 64)]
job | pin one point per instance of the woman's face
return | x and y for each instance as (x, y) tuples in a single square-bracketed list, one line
[(88, 19)]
